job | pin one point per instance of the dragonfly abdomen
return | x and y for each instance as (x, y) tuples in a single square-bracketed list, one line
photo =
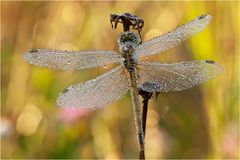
[(129, 64)]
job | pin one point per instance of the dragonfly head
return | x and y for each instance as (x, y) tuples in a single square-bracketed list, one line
[(128, 41)]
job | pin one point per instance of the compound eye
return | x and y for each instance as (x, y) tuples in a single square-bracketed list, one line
[(134, 39), (130, 36), (123, 38)]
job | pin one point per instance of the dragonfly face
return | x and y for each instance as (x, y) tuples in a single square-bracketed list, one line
[(127, 41)]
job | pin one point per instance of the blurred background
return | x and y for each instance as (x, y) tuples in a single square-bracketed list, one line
[(202, 122)]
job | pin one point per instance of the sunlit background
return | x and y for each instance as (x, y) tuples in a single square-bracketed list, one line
[(202, 122)]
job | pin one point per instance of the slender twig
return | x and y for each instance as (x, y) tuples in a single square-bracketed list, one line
[(126, 25), (144, 115), (142, 155), (146, 96)]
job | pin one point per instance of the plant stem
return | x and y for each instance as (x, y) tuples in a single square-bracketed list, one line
[(146, 96), (126, 25), (144, 115), (141, 155)]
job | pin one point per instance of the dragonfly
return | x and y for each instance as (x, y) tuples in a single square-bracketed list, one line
[(131, 72)]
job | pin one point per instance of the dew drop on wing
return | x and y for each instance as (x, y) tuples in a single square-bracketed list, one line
[(33, 50), (68, 62), (209, 61)]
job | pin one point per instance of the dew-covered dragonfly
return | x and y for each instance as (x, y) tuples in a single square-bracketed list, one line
[(131, 73)]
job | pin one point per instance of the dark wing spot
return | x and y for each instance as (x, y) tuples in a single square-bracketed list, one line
[(32, 50), (201, 17), (64, 90), (209, 61)]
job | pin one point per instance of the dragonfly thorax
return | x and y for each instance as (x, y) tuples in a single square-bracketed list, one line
[(127, 42)]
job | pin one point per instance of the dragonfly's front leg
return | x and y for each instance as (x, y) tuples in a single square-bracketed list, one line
[(136, 108)]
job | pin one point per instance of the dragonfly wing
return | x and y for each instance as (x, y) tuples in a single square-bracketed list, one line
[(97, 92), (70, 60), (165, 77), (173, 38)]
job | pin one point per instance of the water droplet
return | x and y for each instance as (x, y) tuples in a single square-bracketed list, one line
[(68, 62)]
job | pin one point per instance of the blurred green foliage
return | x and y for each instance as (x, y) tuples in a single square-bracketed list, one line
[(202, 122)]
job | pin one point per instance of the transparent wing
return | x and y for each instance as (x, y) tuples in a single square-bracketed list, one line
[(97, 92), (70, 60), (164, 77), (173, 38)]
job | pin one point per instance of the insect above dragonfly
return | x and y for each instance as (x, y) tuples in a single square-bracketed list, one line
[(131, 73)]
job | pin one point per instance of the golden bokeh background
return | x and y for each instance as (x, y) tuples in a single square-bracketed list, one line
[(202, 122)]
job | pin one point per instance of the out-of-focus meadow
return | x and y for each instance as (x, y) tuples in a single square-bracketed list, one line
[(202, 122)]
